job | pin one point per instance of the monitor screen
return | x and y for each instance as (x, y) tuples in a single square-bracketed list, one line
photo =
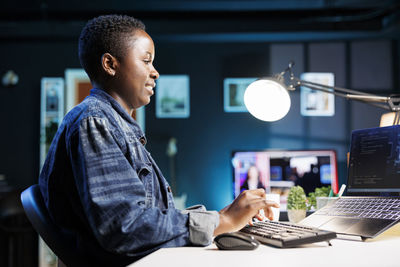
[(278, 170)]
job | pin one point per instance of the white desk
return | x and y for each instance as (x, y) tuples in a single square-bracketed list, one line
[(381, 251)]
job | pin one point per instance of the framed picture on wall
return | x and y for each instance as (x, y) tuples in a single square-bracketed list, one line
[(51, 112), (233, 93), (51, 115), (317, 103), (172, 96), (77, 87)]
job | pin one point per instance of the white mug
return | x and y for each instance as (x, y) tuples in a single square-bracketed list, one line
[(276, 198)]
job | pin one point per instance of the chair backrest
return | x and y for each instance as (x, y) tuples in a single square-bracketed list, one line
[(59, 242)]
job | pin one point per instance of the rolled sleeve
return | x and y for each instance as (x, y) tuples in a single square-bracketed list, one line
[(202, 224)]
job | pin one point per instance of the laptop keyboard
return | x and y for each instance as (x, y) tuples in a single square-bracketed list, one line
[(285, 234), (369, 207)]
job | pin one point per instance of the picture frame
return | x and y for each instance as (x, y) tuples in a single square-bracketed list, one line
[(173, 96), (77, 87), (317, 103), (234, 89), (52, 92), (51, 112)]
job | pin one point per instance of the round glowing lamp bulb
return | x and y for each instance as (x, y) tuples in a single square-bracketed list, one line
[(267, 100)]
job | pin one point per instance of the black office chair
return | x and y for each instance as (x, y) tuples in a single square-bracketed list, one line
[(59, 242)]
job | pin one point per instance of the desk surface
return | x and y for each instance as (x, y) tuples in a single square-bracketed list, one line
[(381, 251)]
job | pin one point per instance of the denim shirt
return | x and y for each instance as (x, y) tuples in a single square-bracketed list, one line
[(102, 187)]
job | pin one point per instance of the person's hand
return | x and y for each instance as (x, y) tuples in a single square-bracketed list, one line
[(241, 211)]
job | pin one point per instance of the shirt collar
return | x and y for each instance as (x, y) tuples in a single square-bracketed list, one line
[(99, 93)]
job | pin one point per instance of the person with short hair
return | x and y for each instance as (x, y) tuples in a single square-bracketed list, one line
[(100, 184)]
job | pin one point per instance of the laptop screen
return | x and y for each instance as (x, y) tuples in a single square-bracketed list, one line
[(374, 164)]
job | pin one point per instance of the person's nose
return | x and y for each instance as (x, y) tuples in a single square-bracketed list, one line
[(154, 74)]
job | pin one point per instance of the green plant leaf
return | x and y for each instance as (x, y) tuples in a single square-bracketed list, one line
[(297, 199)]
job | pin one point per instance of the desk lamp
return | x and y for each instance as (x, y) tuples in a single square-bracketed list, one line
[(268, 99)]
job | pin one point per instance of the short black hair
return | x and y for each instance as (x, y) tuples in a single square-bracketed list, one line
[(105, 34)]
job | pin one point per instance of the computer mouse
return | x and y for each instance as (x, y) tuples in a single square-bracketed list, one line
[(235, 241)]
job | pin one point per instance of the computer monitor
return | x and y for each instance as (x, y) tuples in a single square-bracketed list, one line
[(279, 170)]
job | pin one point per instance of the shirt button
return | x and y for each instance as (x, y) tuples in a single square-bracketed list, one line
[(142, 140), (169, 189)]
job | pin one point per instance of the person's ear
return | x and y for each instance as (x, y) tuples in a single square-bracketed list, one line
[(109, 64)]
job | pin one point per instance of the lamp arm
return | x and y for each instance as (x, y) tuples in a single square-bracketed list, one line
[(317, 86), (374, 100)]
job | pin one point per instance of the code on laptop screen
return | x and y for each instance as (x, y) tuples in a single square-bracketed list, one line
[(374, 164)]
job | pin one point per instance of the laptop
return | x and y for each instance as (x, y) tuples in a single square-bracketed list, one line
[(372, 201)]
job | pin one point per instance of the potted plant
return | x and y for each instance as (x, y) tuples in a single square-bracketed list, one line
[(296, 204), (318, 193)]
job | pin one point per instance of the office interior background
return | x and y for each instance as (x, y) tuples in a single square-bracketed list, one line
[(357, 40)]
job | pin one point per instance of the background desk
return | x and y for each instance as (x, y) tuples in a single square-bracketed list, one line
[(381, 251)]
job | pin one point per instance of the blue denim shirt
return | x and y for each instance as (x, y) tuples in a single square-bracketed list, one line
[(102, 187)]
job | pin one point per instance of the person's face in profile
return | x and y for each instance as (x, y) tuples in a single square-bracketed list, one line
[(136, 74)]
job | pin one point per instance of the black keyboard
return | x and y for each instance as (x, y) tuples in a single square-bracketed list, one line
[(285, 234), (365, 207)]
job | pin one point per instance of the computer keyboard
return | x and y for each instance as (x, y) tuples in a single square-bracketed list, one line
[(365, 207), (285, 234)]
